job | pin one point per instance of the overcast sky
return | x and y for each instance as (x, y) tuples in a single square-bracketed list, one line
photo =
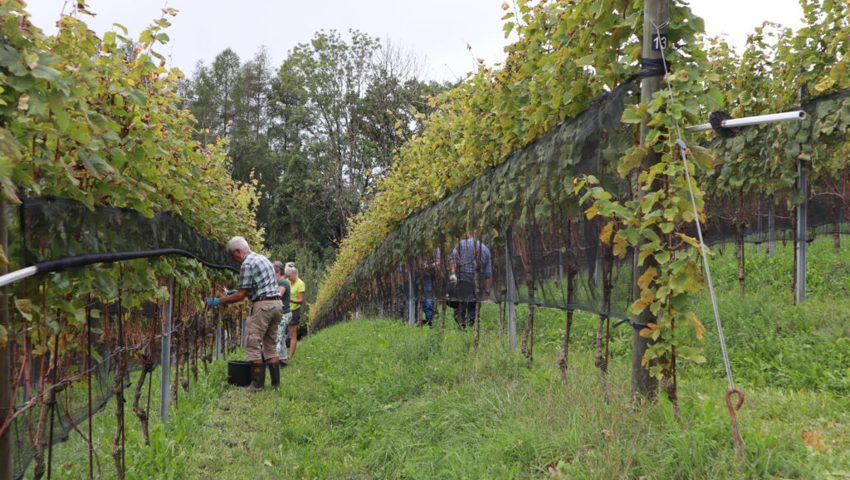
[(436, 31)]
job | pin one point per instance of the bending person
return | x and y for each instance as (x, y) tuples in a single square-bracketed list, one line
[(296, 300), (284, 287), (257, 282), (471, 268)]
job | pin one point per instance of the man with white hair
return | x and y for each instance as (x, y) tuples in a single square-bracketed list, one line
[(256, 281)]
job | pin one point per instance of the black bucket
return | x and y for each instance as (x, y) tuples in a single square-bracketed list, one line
[(239, 373)]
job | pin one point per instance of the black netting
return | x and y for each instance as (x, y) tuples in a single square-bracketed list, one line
[(522, 206), (70, 411), (759, 220), (524, 211), (53, 228), (191, 340), (57, 233)]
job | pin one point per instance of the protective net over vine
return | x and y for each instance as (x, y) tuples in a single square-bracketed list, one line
[(81, 381), (522, 215), (752, 210), (55, 395), (53, 228)]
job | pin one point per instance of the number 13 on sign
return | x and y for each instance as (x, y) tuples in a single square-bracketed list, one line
[(659, 42)]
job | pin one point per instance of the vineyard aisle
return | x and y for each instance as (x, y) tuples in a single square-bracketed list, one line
[(379, 399), (374, 399)]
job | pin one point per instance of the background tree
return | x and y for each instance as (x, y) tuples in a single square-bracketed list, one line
[(315, 135), (250, 149)]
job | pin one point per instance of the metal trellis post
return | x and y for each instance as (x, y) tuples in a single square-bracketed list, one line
[(511, 290), (165, 354), (759, 228), (802, 216), (5, 360), (218, 335), (411, 294), (771, 231)]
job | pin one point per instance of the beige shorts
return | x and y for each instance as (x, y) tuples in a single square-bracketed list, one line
[(262, 327)]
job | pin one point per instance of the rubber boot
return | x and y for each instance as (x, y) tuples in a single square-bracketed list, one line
[(258, 377), (274, 373)]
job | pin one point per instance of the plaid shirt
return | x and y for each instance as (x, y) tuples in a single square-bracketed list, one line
[(470, 255), (257, 276)]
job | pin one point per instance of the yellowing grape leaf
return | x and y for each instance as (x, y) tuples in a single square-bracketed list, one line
[(605, 234), (619, 246), (825, 84), (648, 276), (813, 439), (699, 328), (648, 331)]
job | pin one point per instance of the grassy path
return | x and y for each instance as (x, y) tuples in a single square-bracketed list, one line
[(374, 399)]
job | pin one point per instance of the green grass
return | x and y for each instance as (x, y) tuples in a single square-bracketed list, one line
[(377, 399)]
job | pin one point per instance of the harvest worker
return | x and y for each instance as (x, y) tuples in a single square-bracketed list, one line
[(470, 267), (284, 287), (427, 270), (257, 282), (296, 299)]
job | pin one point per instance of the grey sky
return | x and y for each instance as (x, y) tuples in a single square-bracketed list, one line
[(436, 31)]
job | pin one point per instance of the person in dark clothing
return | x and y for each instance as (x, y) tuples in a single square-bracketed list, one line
[(427, 270), (285, 289), (472, 270)]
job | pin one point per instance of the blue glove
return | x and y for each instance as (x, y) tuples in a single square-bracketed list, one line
[(231, 292), (213, 302)]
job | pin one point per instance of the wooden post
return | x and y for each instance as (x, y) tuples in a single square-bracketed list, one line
[(511, 290), (5, 359), (656, 14), (802, 216), (165, 354)]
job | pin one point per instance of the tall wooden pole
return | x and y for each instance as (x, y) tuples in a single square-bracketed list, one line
[(656, 15), (5, 359)]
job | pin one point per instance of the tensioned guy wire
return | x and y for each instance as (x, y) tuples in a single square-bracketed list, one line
[(683, 150), (720, 335), (733, 409)]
